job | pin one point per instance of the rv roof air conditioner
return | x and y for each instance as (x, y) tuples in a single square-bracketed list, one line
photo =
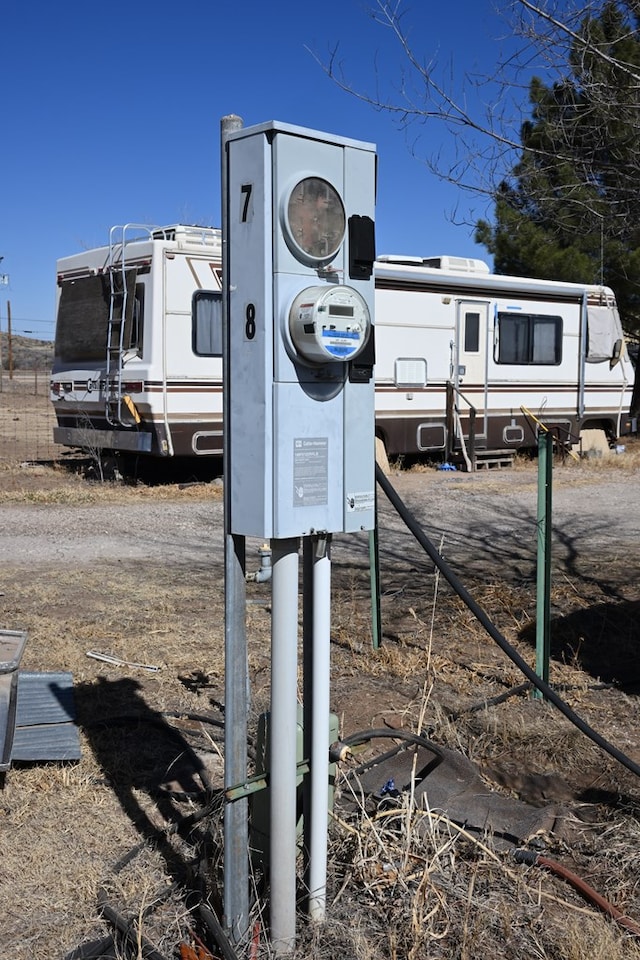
[(448, 264)]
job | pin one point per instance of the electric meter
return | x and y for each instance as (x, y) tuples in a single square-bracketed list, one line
[(329, 323), (314, 221)]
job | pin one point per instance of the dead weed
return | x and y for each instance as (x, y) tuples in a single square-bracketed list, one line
[(139, 817)]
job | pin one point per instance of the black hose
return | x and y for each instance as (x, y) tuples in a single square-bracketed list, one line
[(337, 750), (493, 631), (128, 929), (379, 733), (94, 950), (492, 701), (214, 926)]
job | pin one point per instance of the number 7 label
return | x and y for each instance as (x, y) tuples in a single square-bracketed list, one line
[(246, 211)]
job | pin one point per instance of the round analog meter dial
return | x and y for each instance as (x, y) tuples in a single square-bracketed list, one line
[(315, 220)]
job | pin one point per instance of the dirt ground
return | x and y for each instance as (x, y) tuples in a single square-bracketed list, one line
[(26, 417), (136, 572)]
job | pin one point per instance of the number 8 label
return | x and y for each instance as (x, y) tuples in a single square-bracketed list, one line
[(250, 325)]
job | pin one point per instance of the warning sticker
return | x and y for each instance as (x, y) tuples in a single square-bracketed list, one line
[(310, 471), (359, 502)]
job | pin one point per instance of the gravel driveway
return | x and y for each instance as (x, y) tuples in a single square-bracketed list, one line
[(483, 522)]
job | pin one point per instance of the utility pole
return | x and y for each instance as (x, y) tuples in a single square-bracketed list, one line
[(4, 281), (9, 340)]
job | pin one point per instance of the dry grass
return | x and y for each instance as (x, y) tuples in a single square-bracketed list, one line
[(66, 481), (404, 882)]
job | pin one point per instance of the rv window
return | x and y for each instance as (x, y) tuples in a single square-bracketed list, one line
[(472, 333), (206, 319), (83, 316), (529, 339), (137, 318)]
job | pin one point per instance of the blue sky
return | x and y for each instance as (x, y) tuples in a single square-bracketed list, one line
[(112, 115)]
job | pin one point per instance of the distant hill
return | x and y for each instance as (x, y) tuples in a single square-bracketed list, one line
[(27, 353)]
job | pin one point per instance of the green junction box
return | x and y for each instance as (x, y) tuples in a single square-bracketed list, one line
[(261, 800)]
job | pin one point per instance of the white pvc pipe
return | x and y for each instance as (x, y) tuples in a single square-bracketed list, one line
[(282, 743), (319, 759)]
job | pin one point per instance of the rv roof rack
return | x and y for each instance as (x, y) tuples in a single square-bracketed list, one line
[(192, 233)]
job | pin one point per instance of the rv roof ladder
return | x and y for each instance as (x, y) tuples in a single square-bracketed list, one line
[(121, 304)]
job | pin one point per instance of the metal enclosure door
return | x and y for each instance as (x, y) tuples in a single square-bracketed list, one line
[(472, 334)]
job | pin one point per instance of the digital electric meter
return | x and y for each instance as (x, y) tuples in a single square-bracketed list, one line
[(329, 323)]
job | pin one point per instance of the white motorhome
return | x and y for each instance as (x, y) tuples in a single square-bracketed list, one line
[(465, 356), (466, 361), (133, 371)]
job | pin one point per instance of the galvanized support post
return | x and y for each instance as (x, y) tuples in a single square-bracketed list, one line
[(374, 576), (307, 692), (543, 570), (236, 813)]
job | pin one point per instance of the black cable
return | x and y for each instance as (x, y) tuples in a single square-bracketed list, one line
[(93, 950), (492, 701), (378, 733), (516, 691), (214, 926), (154, 718), (455, 582), (128, 929), (337, 750)]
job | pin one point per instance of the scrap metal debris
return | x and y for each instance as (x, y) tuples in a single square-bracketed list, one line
[(12, 644), (119, 662), (446, 782)]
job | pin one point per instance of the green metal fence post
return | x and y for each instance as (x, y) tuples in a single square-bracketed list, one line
[(543, 571)]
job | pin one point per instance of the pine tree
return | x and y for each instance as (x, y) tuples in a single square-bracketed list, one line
[(570, 209)]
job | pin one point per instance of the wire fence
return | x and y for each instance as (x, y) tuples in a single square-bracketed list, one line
[(26, 417)]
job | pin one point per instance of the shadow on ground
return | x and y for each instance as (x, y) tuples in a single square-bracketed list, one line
[(143, 757), (603, 640)]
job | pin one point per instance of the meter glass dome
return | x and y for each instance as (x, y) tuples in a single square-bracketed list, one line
[(315, 220)]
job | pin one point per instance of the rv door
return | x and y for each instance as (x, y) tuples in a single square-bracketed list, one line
[(470, 374)]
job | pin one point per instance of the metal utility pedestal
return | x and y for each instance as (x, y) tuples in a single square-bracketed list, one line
[(300, 208)]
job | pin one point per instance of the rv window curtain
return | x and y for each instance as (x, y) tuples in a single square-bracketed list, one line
[(544, 341), (207, 323), (514, 339)]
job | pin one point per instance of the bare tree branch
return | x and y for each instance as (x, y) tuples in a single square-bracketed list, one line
[(580, 40), (484, 143)]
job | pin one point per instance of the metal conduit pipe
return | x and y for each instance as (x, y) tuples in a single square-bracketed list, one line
[(455, 582), (283, 725), (319, 773)]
